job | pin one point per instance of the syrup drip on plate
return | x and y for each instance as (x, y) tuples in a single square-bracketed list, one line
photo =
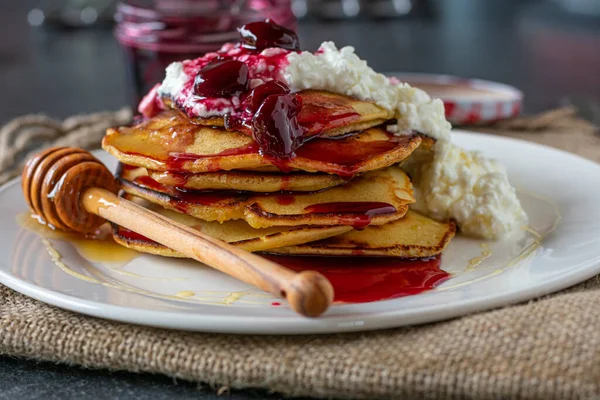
[(367, 279)]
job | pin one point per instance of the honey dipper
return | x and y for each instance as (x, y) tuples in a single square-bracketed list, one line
[(73, 191)]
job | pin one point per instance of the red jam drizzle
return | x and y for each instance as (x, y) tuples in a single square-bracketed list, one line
[(176, 161), (285, 200), (347, 151), (275, 126), (357, 214), (131, 235), (149, 183), (182, 200), (367, 279), (260, 93), (321, 112), (222, 78), (359, 279)]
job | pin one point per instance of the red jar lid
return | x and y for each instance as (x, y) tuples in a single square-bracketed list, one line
[(468, 101)]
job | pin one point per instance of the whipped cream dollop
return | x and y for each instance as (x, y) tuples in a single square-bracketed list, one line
[(450, 182)]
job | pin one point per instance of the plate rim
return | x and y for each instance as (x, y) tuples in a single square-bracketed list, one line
[(249, 324)]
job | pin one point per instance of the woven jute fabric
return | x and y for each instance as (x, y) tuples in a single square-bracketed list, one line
[(548, 348)]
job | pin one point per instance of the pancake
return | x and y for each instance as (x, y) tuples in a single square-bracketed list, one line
[(170, 142), (236, 233), (323, 113), (414, 236), (248, 181), (376, 198)]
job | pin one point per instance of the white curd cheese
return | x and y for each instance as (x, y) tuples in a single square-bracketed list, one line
[(469, 188), (175, 80), (342, 71)]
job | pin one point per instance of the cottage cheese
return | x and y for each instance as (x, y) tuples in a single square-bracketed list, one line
[(469, 188), (342, 71)]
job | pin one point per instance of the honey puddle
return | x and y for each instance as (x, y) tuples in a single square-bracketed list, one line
[(98, 248), (474, 262), (250, 297)]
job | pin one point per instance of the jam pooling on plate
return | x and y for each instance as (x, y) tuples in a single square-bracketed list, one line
[(367, 279), (360, 279)]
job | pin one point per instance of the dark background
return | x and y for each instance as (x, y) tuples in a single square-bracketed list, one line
[(535, 45), (548, 53)]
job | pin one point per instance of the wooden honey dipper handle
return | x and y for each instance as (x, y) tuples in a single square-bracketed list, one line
[(72, 190)]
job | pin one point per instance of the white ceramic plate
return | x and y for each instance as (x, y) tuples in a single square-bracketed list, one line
[(554, 254)]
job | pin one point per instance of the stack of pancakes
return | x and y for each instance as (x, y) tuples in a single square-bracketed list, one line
[(342, 194)]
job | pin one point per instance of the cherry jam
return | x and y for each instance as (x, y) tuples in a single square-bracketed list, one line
[(275, 125), (153, 34), (265, 34), (242, 121), (222, 78), (361, 213), (257, 95), (367, 279)]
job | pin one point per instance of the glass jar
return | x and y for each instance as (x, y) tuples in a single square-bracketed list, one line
[(155, 33)]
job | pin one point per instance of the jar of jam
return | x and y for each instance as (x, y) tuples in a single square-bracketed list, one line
[(155, 33)]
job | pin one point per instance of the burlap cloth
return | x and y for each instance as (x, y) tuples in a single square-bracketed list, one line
[(545, 349)]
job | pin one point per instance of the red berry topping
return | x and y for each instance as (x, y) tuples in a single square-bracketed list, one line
[(264, 34), (275, 125), (222, 78), (261, 92)]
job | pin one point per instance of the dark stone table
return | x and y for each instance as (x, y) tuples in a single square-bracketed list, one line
[(553, 56)]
